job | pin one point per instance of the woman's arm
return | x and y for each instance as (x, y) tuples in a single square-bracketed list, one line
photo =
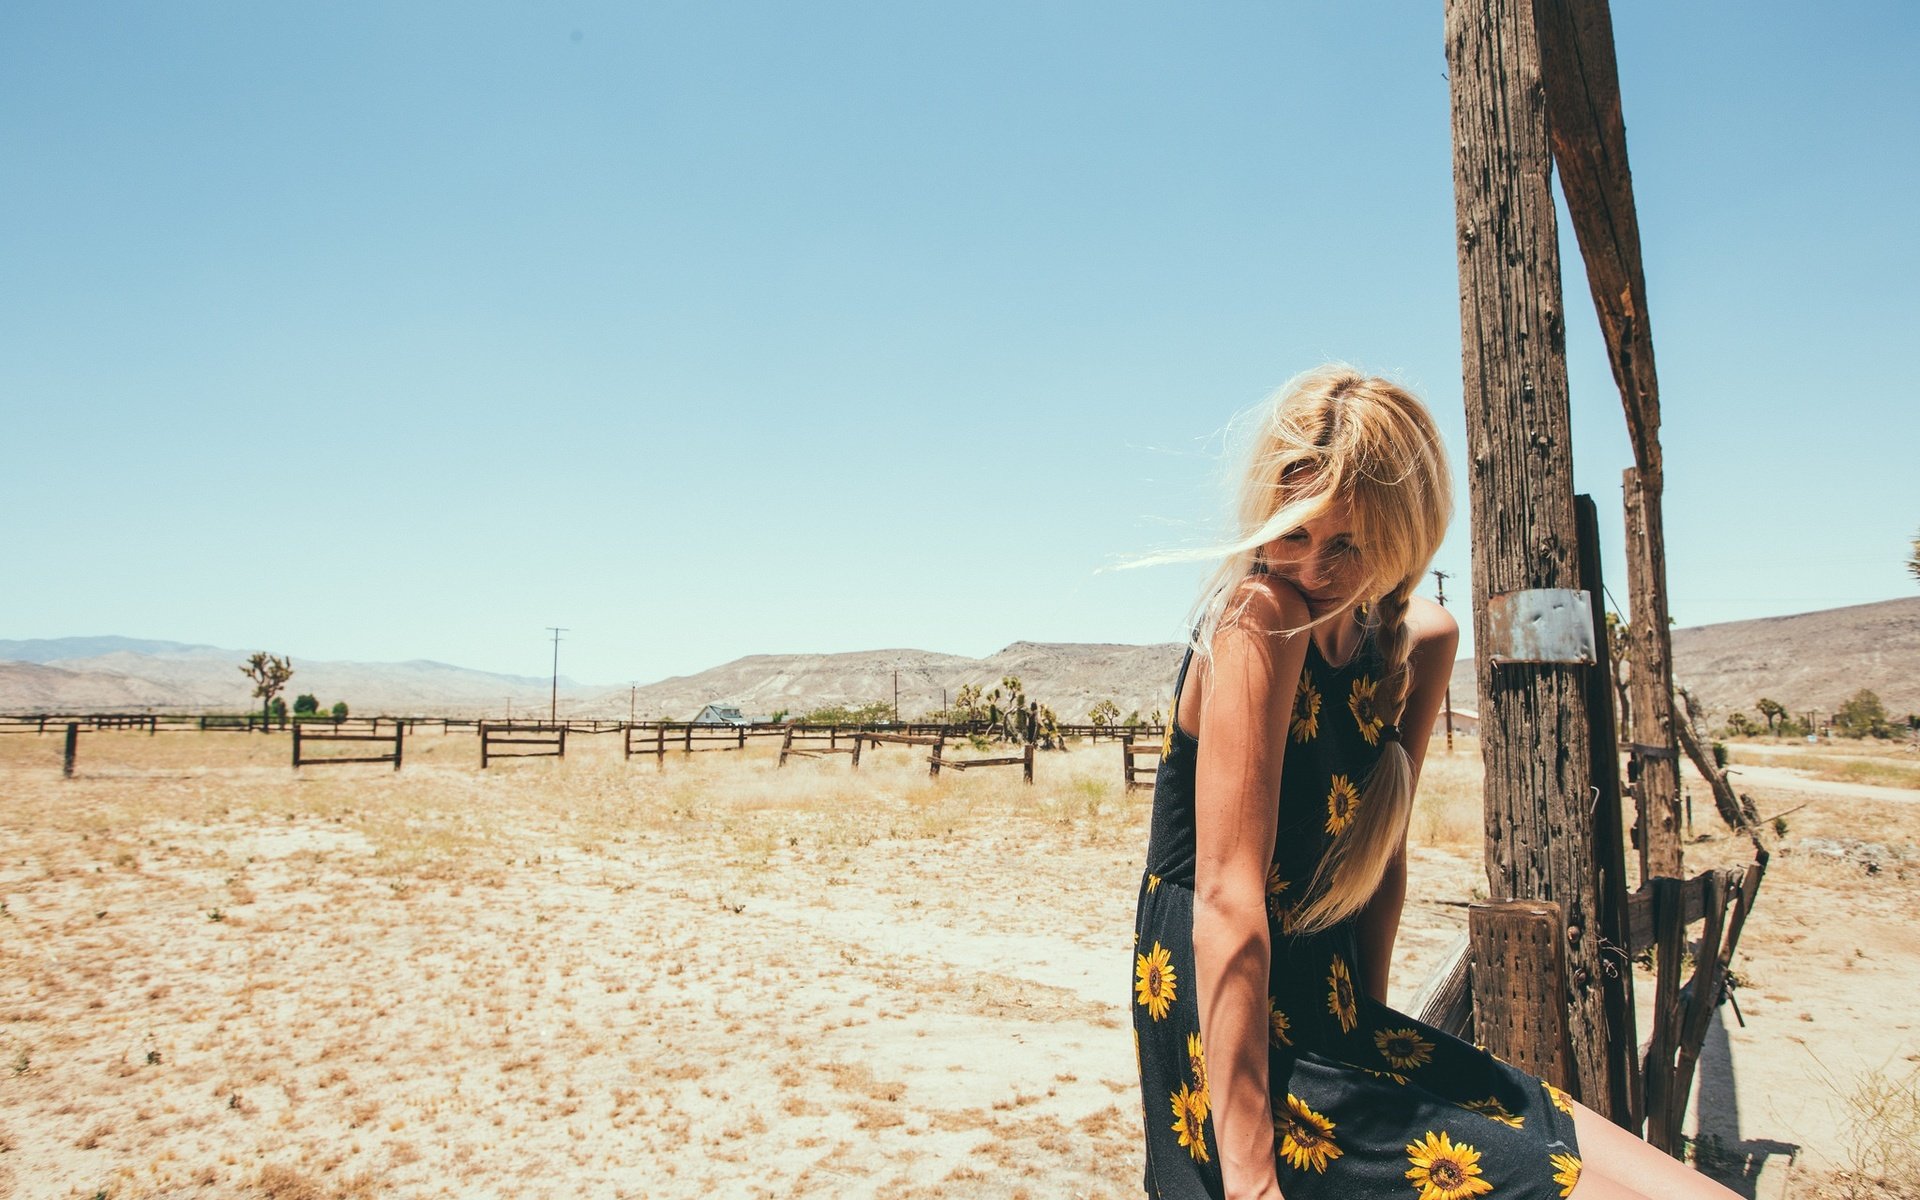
[(1246, 700), (1435, 639)]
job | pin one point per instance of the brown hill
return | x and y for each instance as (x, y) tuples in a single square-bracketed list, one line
[(1812, 660), (1069, 677)]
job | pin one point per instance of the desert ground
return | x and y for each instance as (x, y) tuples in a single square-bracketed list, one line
[(715, 977)]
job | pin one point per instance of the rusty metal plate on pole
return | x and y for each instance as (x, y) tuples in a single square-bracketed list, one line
[(1541, 625)]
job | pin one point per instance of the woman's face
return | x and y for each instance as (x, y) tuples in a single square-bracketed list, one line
[(1321, 559)]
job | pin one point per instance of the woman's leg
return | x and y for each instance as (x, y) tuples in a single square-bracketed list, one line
[(1612, 1157)]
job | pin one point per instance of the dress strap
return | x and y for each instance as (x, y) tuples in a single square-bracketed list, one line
[(1180, 683)]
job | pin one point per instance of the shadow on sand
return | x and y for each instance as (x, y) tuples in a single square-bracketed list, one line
[(1719, 1150)]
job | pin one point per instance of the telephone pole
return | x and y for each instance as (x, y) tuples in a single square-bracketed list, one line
[(1440, 582), (553, 704), (633, 691), (896, 693)]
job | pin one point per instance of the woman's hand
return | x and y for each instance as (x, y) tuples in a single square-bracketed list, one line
[(1247, 696)]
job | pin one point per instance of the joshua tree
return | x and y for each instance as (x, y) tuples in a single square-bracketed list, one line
[(1104, 713), (269, 673), (1772, 710), (1913, 558), (1617, 673)]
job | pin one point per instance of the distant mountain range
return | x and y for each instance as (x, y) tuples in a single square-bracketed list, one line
[(105, 674), (1809, 660)]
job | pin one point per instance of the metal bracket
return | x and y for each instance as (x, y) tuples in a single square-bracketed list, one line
[(1541, 625)]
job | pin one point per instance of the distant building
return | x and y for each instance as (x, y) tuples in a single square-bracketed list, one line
[(720, 714), (1466, 722)]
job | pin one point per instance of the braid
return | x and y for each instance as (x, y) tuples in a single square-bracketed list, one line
[(1353, 866), (1396, 679)]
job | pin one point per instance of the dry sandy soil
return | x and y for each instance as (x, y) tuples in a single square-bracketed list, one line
[(588, 977)]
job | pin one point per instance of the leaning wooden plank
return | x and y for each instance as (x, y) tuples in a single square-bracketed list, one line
[(1445, 1000), (1581, 81), (1702, 996)]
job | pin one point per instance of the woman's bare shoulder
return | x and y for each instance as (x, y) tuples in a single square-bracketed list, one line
[(1431, 628), (1268, 604)]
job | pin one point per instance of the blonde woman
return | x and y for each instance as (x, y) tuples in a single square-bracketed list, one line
[(1270, 1064)]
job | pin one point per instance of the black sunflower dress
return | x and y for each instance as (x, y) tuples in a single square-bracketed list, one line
[(1367, 1102)]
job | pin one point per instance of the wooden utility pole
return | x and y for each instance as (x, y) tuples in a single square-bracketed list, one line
[(553, 705), (1533, 735), (1589, 136), (1440, 585)]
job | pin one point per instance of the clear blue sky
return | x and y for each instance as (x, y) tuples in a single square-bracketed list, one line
[(384, 331)]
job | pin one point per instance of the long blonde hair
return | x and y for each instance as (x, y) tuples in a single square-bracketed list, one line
[(1331, 435)]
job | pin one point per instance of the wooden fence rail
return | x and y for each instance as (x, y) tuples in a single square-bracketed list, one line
[(549, 742), (1132, 774), (303, 737)]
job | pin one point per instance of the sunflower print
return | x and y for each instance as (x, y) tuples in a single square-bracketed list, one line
[(1277, 1024), (1276, 886), (1306, 709), (1443, 1170), (1343, 802), (1340, 995), (1306, 1137), (1154, 979), (1393, 1075), (1360, 702), (1189, 1119), (1153, 883), (1566, 1172), (1492, 1109), (1197, 1061), (1404, 1049), (1560, 1099)]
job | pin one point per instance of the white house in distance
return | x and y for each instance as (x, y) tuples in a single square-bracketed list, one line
[(720, 714), (1466, 723)]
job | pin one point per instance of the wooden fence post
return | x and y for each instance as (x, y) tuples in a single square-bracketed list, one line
[(786, 747), (1656, 762), (1026, 769), (398, 733), (72, 747), (1624, 1099), (1520, 474), (857, 739), (483, 745), (933, 762)]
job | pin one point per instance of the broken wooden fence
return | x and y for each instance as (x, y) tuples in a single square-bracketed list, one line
[(805, 742), (1024, 760), (1513, 965)]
